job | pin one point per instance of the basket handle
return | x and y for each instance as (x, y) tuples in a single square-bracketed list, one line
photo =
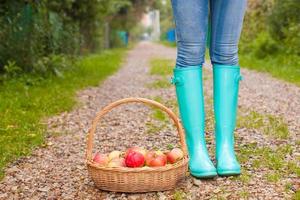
[(106, 109)]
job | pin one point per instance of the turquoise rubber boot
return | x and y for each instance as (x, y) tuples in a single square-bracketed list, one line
[(226, 86), (188, 82)]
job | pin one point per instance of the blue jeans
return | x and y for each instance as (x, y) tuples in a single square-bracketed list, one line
[(191, 20)]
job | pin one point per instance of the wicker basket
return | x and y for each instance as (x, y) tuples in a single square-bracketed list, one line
[(146, 179)]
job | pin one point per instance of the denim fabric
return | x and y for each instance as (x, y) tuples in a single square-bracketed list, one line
[(191, 20)]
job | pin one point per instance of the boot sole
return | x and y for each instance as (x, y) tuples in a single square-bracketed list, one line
[(204, 174), (229, 173)]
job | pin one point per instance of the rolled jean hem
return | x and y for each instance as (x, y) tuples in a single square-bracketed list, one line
[(235, 63)]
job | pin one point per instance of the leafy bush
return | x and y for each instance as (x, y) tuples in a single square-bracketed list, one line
[(11, 69), (271, 26), (283, 15), (32, 34), (52, 65), (292, 39), (32, 30), (264, 45)]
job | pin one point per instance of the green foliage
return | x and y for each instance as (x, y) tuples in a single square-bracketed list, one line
[(270, 39), (27, 99), (293, 39), (52, 65), (31, 30), (255, 20), (283, 15), (277, 20), (264, 45), (11, 69)]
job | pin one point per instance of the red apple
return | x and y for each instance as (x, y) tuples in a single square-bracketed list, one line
[(158, 161), (134, 159), (174, 155), (171, 157), (100, 159), (149, 156), (155, 158), (136, 149)]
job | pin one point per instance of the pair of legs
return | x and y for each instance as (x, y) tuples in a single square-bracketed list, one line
[(191, 19)]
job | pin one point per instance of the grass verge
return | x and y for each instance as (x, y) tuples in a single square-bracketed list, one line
[(26, 100), (162, 67), (167, 43), (280, 66)]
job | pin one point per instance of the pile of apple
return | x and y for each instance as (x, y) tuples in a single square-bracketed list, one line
[(138, 157)]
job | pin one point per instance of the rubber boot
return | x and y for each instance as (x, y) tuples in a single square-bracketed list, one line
[(226, 86), (188, 82)]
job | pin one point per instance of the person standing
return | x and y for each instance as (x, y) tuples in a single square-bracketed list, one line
[(191, 21)]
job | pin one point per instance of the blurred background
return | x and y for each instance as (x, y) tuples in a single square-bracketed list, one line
[(35, 35), (49, 49)]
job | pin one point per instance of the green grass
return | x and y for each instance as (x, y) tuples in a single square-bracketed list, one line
[(273, 177), (280, 66), (153, 128), (244, 194), (269, 124), (273, 159), (179, 195), (26, 101), (245, 177), (162, 67), (296, 196), (167, 43), (160, 83)]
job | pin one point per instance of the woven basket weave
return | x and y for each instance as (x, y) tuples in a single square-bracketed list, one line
[(124, 179)]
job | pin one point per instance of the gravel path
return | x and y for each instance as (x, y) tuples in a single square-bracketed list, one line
[(57, 171)]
